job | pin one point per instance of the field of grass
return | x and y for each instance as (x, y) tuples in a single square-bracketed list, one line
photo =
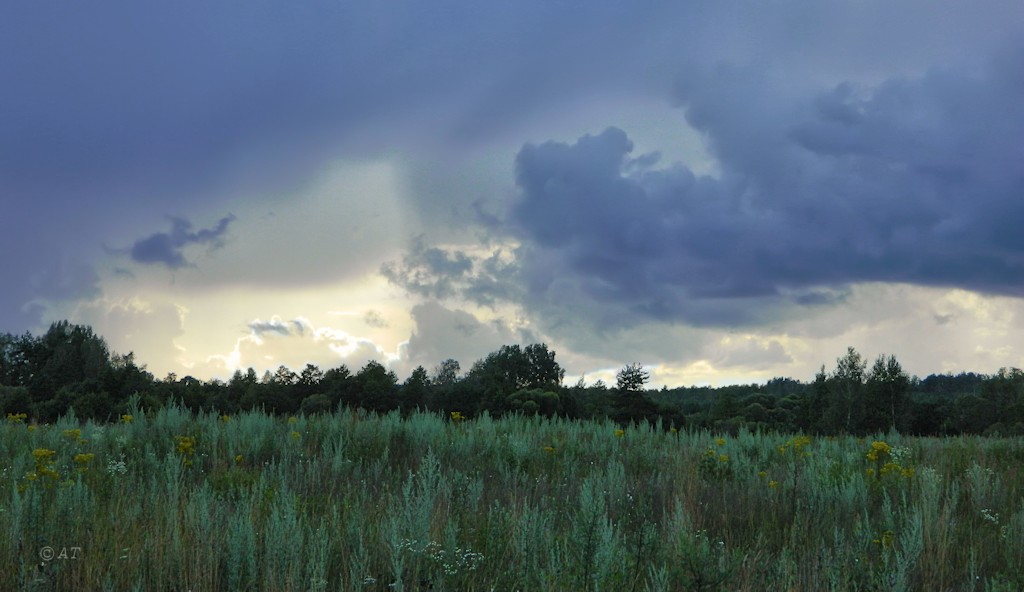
[(175, 501)]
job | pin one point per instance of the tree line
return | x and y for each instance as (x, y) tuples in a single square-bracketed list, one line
[(71, 367)]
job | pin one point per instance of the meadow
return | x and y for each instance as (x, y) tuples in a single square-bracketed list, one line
[(173, 500)]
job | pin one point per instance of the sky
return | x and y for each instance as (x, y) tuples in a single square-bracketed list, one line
[(724, 192)]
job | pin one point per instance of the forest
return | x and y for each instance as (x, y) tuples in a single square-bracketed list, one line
[(71, 367)]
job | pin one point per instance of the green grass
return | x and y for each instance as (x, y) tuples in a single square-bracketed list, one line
[(354, 502)]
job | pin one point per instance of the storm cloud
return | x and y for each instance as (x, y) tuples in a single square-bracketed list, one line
[(815, 147), (914, 180), (167, 248)]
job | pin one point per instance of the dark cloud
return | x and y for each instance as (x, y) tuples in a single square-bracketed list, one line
[(439, 273), (912, 180), (116, 111), (296, 327), (429, 271), (168, 247)]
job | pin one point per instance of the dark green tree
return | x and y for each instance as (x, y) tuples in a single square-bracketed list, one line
[(446, 373), (632, 378), (886, 395), (846, 405), (376, 388), (308, 382), (415, 389)]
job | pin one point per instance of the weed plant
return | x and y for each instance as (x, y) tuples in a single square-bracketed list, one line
[(170, 501)]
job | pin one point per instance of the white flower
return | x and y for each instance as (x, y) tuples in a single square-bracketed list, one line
[(117, 467)]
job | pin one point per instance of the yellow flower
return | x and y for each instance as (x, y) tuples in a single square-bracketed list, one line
[(16, 417), (620, 433), (186, 445), (890, 467), (673, 430), (43, 455), (457, 416), (908, 472), (239, 459), (878, 449), (869, 472), (549, 449), (32, 428), (73, 434), (293, 420), (723, 457), (886, 540), (762, 474), (225, 418), (773, 484), (84, 459), (126, 418), (295, 435), (720, 441)]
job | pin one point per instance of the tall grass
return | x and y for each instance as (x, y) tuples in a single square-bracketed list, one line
[(176, 501)]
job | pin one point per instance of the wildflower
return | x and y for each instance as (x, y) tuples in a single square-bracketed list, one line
[(723, 457), (869, 472), (673, 430), (32, 428), (907, 472), (620, 433), (762, 474), (886, 539), (797, 444), (44, 465), (43, 455), (239, 459), (117, 467), (84, 459), (126, 418), (293, 420), (878, 450), (185, 444), (186, 447), (549, 449), (773, 484), (225, 418), (457, 416), (73, 435), (890, 467), (720, 441), (16, 417)]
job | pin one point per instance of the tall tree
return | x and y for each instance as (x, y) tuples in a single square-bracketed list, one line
[(414, 391), (542, 369), (631, 378), (846, 389), (886, 394), (376, 387), (446, 373)]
